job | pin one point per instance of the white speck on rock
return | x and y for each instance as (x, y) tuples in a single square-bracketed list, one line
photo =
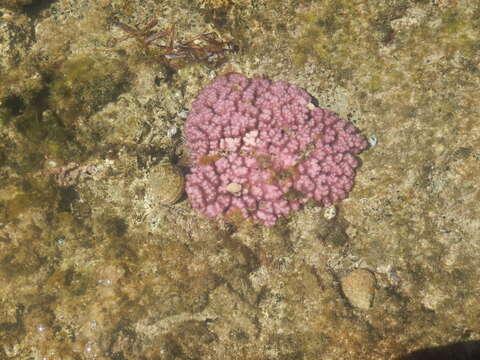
[(183, 114), (172, 131), (330, 212)]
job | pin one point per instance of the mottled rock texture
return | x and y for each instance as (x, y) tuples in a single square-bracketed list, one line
[(92, 266)]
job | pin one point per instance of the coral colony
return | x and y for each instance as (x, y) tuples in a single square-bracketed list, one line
[(262, 149)]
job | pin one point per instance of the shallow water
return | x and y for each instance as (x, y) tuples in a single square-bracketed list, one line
[(92, 265)]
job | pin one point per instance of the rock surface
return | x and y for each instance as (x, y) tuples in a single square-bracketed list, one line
[(93, 267), (359, 288)]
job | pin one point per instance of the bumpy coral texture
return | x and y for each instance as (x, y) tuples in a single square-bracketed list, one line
[(263, 149)]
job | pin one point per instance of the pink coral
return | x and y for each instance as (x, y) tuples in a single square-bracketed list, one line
[(262, 148)]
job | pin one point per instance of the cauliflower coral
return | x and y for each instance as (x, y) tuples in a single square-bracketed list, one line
[(262, 148)]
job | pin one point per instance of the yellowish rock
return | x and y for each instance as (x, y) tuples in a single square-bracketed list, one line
[(359, 288), (234, 188)]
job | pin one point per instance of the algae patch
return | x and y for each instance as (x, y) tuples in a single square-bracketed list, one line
[(84, 84)]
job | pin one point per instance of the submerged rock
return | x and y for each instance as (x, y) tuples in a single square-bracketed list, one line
[(359, 288)]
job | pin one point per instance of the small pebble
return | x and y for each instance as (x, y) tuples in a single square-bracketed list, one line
[(359, 288), (330, 212), (234, 188)]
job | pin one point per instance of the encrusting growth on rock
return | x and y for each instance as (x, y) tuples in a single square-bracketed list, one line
[(267, 140)]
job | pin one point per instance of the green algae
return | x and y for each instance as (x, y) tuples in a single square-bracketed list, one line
[(84, 84), (41, 129), (20, 90), (15, 4), (329, 33), (6, 115), (46, 109)]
